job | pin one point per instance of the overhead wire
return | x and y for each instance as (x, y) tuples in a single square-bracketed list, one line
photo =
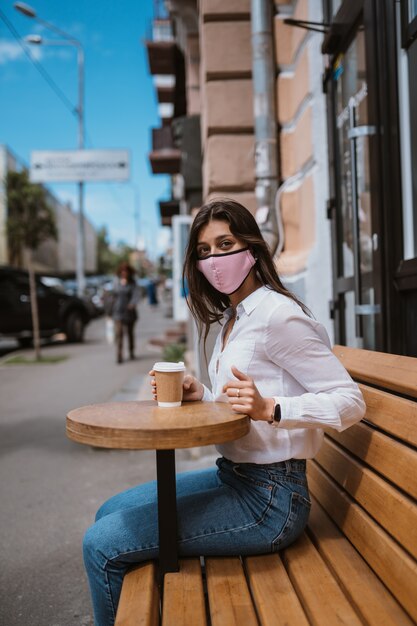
[(45, 75), (58, 91)]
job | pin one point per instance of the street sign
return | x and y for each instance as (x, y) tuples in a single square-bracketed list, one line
[(79, 165)]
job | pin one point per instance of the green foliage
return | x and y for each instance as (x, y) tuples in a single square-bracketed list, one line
[(164, 268), (31, 218), (24, 360), (174, 352), (108, 260), (105, 257)]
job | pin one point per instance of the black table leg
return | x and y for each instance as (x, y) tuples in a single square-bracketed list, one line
[(167, 512)]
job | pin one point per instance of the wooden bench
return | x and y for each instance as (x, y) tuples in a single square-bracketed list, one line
[(357, 561)]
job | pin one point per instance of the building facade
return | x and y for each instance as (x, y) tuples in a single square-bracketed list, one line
[(56, 257), (308, 117)]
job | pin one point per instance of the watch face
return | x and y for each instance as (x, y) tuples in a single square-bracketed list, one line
[(277, 413)]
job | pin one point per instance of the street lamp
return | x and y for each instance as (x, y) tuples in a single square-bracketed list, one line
[(68, 40)]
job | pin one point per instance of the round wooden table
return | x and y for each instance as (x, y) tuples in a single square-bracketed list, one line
[(145, 426)]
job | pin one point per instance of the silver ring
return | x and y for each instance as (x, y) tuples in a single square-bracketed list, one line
[(238, 393)]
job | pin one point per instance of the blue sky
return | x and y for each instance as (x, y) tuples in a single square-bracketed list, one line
[(120, 104)]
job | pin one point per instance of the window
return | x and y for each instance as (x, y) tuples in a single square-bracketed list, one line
[(412, 9), (409, 21), (407, 88)]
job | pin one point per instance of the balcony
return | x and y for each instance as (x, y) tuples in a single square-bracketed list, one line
[(168, 209), (165, 158), (165, 94), (167, 61), (162, 56)]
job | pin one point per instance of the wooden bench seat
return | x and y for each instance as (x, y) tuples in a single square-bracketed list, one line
[(356, 563)]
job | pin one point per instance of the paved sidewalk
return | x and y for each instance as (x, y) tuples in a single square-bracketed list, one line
[(51, 487)]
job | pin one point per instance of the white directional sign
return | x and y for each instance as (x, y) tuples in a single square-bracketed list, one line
[(79, 165)]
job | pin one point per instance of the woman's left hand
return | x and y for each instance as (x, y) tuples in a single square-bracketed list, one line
[(244, 397)]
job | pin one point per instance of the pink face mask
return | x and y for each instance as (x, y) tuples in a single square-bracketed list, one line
[(227, 272)]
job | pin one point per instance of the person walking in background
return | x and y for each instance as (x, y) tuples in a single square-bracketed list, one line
[(151, 290), (123, 309)]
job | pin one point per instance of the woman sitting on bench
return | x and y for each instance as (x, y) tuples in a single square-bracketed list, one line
[(272, 361)]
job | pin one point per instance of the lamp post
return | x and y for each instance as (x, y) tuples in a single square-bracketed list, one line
[(68, 40)]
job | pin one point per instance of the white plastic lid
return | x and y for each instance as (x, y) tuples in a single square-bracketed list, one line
[(166, 366)]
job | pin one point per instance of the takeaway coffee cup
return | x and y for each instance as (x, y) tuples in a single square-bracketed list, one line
[(169, 378)]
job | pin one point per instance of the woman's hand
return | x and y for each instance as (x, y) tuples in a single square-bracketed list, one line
[(244, 397), (193, 390)]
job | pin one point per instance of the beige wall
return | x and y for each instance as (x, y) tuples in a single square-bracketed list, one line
[(227, 111), (61, 255), (294, 115), (192, 70), (67, 242), (306, 261)]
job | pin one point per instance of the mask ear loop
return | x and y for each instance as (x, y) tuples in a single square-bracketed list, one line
[(255, 256)]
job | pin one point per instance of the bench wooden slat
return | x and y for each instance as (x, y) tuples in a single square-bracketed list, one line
[(321, 597), (390, 371), (364, 589), (183, 602), (228, 593), (394, 511), (274, 596), (387, 456), (388, 560), (139, 600), (396, 416)]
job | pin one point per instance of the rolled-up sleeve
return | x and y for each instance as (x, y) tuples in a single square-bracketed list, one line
[(299, 345)]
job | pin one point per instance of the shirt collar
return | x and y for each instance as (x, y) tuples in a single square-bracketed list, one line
[(250, 303)]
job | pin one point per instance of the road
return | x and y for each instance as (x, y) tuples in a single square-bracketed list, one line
[(50, 486)]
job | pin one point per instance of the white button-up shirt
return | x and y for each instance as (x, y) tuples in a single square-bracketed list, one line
[(289, 356)]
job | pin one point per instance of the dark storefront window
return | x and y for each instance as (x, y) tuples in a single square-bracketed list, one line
[(335, 4), (407, 72), (354, 133), (371, 88), (412, 73)]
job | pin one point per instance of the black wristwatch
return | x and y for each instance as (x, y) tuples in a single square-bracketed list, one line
[(276, 414)]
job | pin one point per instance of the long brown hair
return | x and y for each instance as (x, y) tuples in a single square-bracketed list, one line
[(204, 301), (125, 267)]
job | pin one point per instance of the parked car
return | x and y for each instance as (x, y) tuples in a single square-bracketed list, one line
[(58, 311), (93, 292)]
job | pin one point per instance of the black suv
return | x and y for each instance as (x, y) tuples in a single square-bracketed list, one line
[(58, 311)]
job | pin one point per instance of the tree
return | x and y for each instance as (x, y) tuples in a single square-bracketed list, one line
[(105, 257), (108, 257), (31, 220)]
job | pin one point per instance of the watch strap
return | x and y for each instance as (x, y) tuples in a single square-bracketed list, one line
[(276, 413)]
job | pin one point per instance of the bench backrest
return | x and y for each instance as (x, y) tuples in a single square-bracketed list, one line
[(366, 477)]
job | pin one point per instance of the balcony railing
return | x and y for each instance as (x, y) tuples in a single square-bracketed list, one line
[(168, 209), (165, 158)]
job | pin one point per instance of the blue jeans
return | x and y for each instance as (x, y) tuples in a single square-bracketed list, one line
[(235, 509)]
